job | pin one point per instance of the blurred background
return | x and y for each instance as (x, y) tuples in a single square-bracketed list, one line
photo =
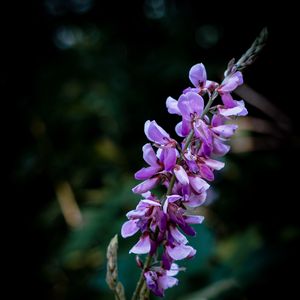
[(80, 78)]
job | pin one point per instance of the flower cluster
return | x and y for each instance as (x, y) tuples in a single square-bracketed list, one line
[(184, 169)]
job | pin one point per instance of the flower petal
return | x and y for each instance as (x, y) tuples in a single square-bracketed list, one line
[(146, 185), (186, 127), (181, 175), (173, 270), (206, 173), (172, 107), (214, 164), (198, 184), (203, 132), (169, 158), (194, 219), (149, 202), (178, 129), (142, 246), (235, 111), (196, 90), (231, 82), (152, 283), (218, 120), (179, 252), (146, 173), (167, 281), (155, 133), (225, 131), (149, 155), (190, 104), (219, 148), (196, 200), (177, 235), (129, 228), (232, 107), (174, 198), (227, 100), (198, 75)]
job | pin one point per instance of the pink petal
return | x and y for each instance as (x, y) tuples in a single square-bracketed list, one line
[(169, 158), (173, 270), (190, 104), (129, 228), (142, 246), (228, 112), (198, 184), (214, 164), (146, 173), (178, 129), (206, 173), (146, 185), (196, 200), (219, 148), (197, 75), (155, 133), (149, 202), (218, 120), (167, 281), (181, 175), (225, 131), (189, 89), (227, 100), (186, 127), (172, 107), (165, 207), (179, 252), (232, 107), (177, 235), (137, 213), (192, 253), (231, 82), (203, 132), (149, 155), (194, 219), (174, 198)]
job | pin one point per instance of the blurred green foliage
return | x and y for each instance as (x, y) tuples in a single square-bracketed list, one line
[(92, 74)]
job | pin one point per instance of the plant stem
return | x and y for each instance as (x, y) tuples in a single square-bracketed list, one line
[(140, 283), (189, 139), (170, 187), (209, 103)]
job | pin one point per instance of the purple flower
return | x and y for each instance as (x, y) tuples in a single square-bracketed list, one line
[(157, 134), (159, 279), (151, 159), (230, 83), (232, 107), (163, 160), (202, 165), (189, 106), (198, 78), (183, 169)]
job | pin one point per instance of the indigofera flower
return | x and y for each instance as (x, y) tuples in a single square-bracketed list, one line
[(184, 169)]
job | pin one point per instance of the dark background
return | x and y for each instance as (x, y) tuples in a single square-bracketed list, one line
[(79, 80)]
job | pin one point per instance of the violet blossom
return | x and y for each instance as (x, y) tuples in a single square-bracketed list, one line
[(184, 168)]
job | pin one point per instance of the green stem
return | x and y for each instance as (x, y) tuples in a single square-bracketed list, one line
[(140, 283), (188, 140), (170, 187), (209, 103)]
